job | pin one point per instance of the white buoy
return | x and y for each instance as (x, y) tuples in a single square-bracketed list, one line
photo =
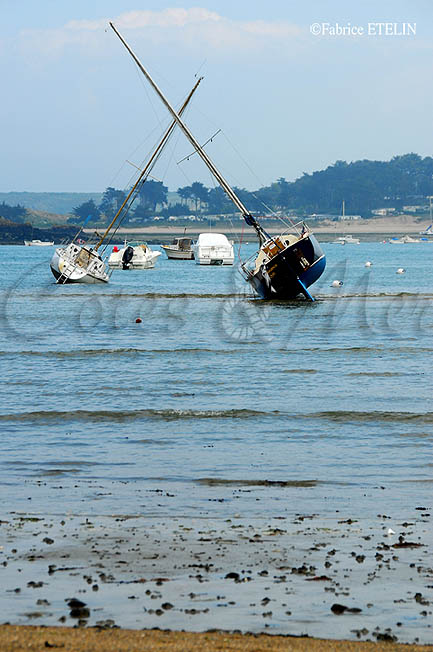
[(336, 284), (390, 532), (368, 263), (401, 270)]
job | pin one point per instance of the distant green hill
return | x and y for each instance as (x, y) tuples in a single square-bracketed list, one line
[(15, 233), (61, 203)]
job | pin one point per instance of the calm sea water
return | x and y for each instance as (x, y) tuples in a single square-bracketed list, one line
[(216, 390)]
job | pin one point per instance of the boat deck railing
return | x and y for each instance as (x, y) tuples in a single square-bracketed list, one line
[(301, 229)]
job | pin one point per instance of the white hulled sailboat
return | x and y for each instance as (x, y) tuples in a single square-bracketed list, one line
[(78, 263)]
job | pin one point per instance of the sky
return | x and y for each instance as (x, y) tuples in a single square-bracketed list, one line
[(288, 87)]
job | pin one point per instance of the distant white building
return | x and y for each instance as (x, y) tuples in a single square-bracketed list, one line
[(383, 212), (415, 209), (321, 216)]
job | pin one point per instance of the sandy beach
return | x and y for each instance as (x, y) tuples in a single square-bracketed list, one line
[(386, 226), (36, 639)]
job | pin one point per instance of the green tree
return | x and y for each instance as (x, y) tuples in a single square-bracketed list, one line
[(218, 202), (199, 193), (13, 213), (86, 210), (151, 194), (184, 193), (112, 200)]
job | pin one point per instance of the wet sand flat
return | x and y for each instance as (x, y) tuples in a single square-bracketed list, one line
[(334, 578), (15, 639)]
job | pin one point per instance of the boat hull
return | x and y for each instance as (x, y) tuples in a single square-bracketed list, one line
[(345, 240), (67, 266), (78, 278), (178, 254), (38, 243), (215, 260), (288, 274)]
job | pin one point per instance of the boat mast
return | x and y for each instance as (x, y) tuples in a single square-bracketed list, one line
[(147, 168), (250, 220)]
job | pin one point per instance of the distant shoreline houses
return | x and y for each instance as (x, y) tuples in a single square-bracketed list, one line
[(330, 217), (418, 209), (335, 218)]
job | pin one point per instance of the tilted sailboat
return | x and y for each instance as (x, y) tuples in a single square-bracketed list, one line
[(286, 264), (78, 263)]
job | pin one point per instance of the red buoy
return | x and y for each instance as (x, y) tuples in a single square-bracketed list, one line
[(138, 320)]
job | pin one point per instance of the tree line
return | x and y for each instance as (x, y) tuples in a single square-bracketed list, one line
[(152, 200), (15, 214), (364, 185)]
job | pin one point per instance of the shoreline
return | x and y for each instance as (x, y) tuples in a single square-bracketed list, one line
[(15, 638), (386, 226)]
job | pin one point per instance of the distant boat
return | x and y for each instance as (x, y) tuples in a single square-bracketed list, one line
[(134, 255), (179, 249), (427, 231), (346, 239), (405, 239), (213, 249), (38, 243)]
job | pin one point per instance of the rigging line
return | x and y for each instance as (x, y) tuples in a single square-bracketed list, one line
[(150, 135), (186, 177), (156, 130), (150, 97), (241, 241), (253, 194), (142, 181), (148, 168), (271, 210), (233, 231), (146, 90), (209, 140), (175, 145), (290, 222), (143, 162), (200, 67), (158, 119), (244, 161), (173, 149)]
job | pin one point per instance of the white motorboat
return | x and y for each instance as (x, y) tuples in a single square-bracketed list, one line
[(179, 249), (405, 239), (38, 243), (346, 239), (133, 255), (78, 264), (213, 249)]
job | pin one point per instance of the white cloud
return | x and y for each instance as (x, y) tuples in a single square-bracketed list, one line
[(191, 28)]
